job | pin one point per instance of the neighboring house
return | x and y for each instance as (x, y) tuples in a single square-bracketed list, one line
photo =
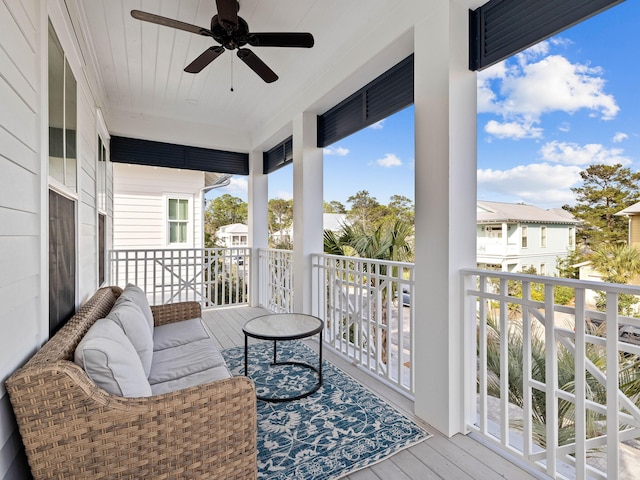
[(233, 235), (155, 207), (513, 237), (330, 221), (633, 214)]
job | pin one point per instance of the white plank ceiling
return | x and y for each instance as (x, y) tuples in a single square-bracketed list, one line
[(141, 64)]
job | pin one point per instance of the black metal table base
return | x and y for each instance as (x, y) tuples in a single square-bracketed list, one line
[(275, 362)]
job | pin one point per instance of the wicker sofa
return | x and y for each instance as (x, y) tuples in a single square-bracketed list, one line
[(73, 429)]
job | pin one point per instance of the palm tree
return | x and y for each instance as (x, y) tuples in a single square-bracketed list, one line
[(385, 242), (617, 263), (565, 381)]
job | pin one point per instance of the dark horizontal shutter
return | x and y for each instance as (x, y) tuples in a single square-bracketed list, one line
[(389, 93), (502, 28), (278, 156), (159, 154)]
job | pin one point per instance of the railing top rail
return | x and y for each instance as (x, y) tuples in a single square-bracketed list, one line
[(116, 250), (277, 250), (568, 282), (367, 260)]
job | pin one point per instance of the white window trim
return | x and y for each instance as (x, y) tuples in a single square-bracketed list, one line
[(103, 134), (523, 229), (56, 185), (190, 223), (543, 236)]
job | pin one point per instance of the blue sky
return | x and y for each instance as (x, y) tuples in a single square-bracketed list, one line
[(544, 115)]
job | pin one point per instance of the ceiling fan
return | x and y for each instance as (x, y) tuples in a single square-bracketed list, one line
[(232, 32)]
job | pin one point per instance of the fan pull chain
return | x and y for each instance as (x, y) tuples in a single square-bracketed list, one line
[(231, 72)]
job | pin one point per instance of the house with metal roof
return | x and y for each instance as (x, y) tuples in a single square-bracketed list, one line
[(515, 237)]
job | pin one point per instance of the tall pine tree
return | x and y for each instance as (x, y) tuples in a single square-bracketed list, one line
[(605, 190)]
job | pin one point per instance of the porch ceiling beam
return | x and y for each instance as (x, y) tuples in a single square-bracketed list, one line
[(160, 154)]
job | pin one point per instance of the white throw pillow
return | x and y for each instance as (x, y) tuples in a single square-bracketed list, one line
[(131, 320), (137, 296), (111, 362)]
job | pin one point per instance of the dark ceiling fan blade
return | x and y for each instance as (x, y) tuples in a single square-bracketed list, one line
[(300, 40), (170, 22), (204, 59), (257, 65), (228, 14)]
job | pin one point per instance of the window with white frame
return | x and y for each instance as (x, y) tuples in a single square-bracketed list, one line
[(101, 175), (543, 269), (571, 236), (543, 236), (178, 220), (524, 233), (63, 165)]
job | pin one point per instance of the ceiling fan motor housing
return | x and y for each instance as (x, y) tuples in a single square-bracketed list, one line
[(230, 39)]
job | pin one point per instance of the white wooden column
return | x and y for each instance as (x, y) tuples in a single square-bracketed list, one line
[(258, 219), (307, 208), (445, 176)]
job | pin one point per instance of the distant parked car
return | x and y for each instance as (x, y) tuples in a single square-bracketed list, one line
[(406, 297)]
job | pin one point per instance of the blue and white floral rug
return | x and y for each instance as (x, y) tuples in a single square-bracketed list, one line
[(341, 428)]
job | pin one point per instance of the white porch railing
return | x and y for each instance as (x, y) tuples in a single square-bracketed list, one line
[(214, 277), (368, 314), (552, 383), (276, 280)]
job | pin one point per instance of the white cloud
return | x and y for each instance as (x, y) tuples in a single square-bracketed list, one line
[(389, 160), (564, 127), (514, 130), (568, 153), (339, 151), (378, 125), (619, 137), (237, 185), (536, 84), (539, 184)]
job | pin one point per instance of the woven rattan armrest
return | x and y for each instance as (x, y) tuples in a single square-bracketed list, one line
[(175, 312), (72, 429)]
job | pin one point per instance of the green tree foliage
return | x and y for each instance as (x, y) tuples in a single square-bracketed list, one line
[(606, 190), (567, 266), (616, 263), (280, 214), (365, 211), (401, 207), (386, 242), (334, 207), (223, 210)]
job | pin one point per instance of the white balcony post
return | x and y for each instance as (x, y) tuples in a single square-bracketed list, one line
[(258, 219), (445, 176), (307, 208)]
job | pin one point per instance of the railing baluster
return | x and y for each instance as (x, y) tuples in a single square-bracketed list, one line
[(613, 407), (527, 371), (551, 380), (580, 380)]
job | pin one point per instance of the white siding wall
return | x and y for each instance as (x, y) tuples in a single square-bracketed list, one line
[(20, 197), (140, 195), (23, 194)]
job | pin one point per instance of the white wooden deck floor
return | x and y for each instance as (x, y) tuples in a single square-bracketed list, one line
[(438, 457)]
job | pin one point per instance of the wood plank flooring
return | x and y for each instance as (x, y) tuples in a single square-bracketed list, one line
[(438, 458)]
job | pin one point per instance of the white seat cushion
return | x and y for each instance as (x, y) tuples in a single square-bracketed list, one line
[(111, 362), (184, 360), (128, 316), (178, 333), (136, 295)]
